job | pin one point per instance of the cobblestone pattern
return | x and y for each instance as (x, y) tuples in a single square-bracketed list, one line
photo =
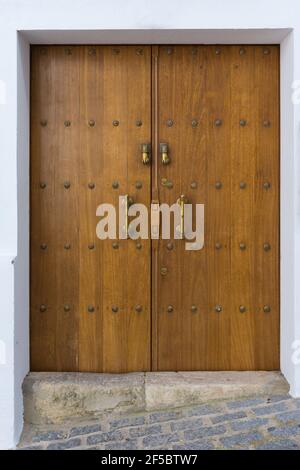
[(254, 423)]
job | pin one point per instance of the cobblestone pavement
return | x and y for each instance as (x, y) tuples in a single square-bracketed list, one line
[(253, 423)]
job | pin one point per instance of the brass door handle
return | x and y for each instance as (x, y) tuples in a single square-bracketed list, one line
[(165, 159), (146, 153), (182, 200)]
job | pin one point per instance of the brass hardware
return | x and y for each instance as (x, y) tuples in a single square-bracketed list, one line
[(218, 185), (267, 246), (267, 308), (43, 308), (114, 308), (92, 123), (194, 185), (242, 246), (163, 271), (67, 123), (243, 122), (242, 51), (182, 201), (146, 152), (218, 246), (67, 246), (218, 122), (164, 153), (115, 184), (43, 122), (139, 51), (218, 51), (194, 308), (169, 122), (92, 51), (43, 246), (43, 185), (115, 51), (242, 309), (91, 246), (266, 51), (267, 185), (115, 245), (115, 122), (166, 183), (242, 185), (218, 308), (267, 123), (138, 246), (138, 184), (170, 246), (170, 308), (67, 308), (67, 184), (91, 308), (91, 185), (138, 308), (68, 51), (194, 123), (138, 123)]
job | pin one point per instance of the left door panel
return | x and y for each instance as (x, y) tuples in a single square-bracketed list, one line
[(90, 298)]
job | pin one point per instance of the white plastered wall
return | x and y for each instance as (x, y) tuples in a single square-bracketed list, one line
[(137, 21)]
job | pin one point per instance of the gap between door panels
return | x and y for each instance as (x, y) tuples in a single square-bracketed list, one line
[(154, 197)]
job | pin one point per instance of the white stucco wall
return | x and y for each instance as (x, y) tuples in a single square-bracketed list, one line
[(135, 21)]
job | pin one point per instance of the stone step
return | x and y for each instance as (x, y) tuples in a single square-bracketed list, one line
[(54, 397)]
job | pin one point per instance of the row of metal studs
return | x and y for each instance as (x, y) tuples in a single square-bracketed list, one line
[(139, 308), (139, 51)]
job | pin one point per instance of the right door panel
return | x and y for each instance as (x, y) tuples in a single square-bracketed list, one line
[(217, 108)]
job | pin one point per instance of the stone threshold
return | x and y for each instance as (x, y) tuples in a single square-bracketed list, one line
[(55, 397)]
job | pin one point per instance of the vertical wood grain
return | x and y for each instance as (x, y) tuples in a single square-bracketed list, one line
[(82, 84), (91, 173), (232, 84), (266, 208), (181, 98), (218, 208)]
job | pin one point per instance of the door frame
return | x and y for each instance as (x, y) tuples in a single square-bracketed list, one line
[(286, 219), (14, 268), (283, 213)]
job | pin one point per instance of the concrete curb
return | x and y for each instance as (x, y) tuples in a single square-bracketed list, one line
[(60, 396)]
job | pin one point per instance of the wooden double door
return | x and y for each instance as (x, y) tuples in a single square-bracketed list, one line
[(141, 305)]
